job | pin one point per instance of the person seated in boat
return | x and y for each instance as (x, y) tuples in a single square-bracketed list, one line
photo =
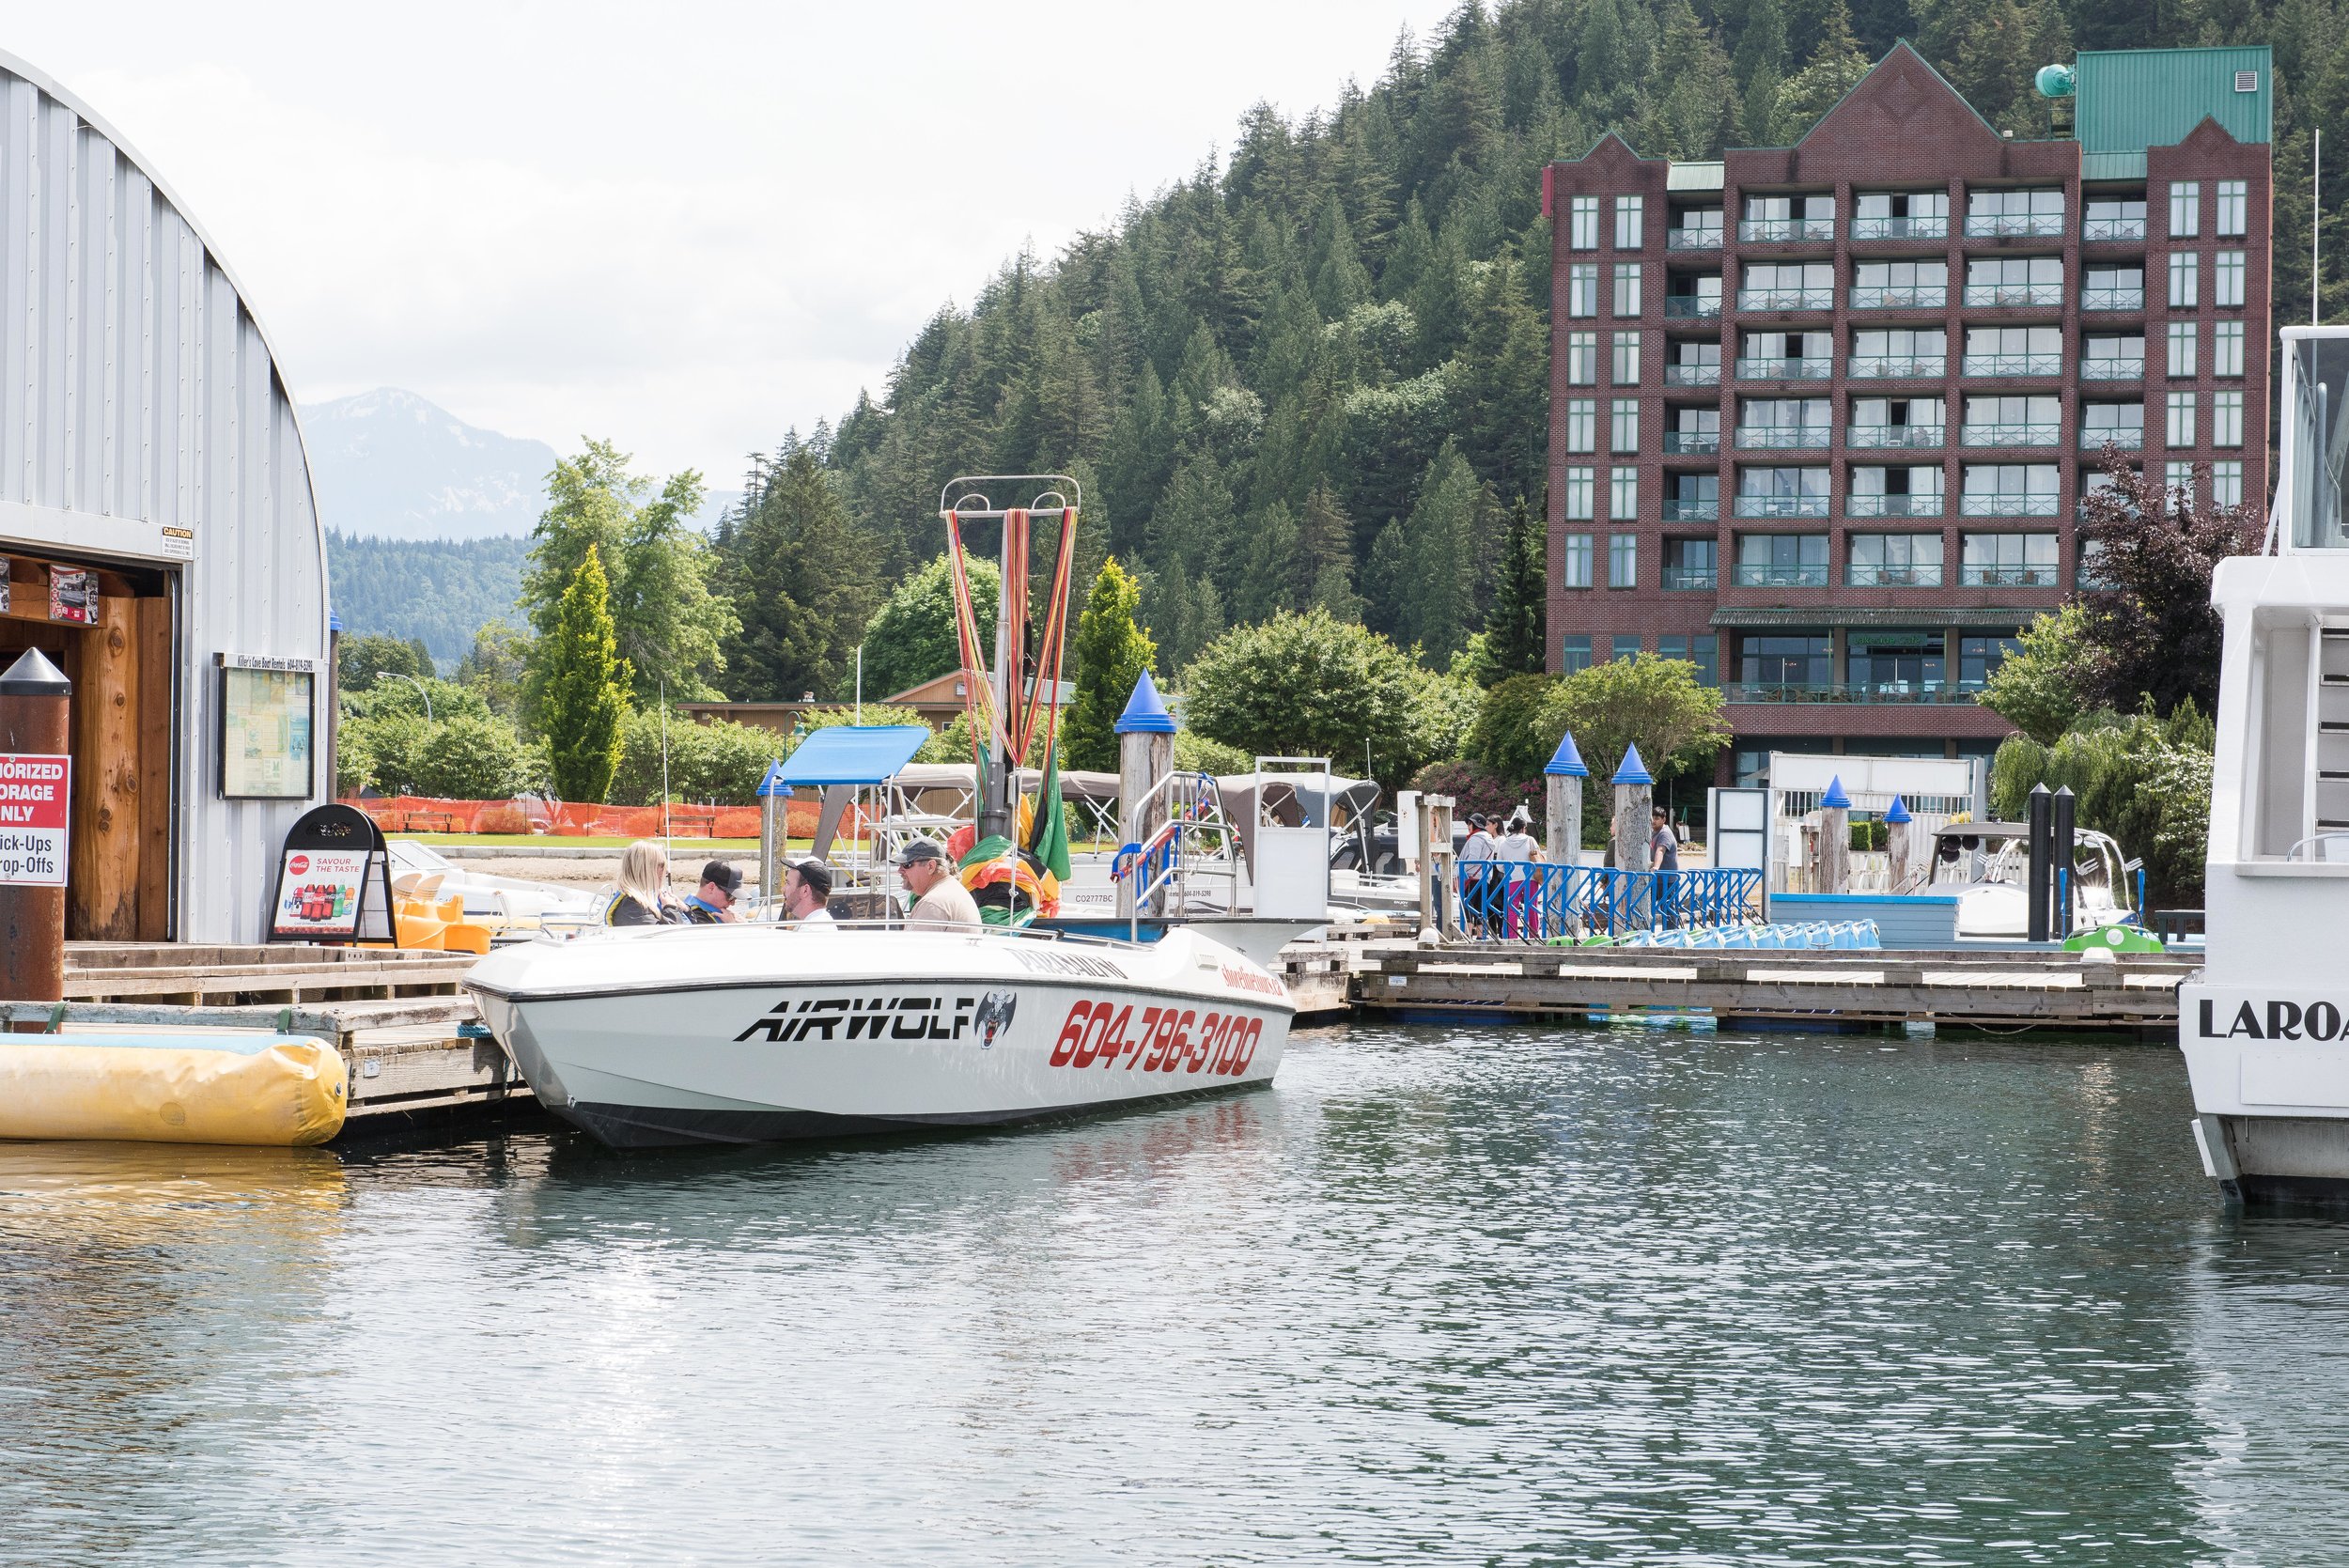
[(643, 898), (939, 897), (807, 891), (713, 904)]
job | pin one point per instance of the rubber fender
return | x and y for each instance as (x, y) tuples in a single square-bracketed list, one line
[(270, 1090)]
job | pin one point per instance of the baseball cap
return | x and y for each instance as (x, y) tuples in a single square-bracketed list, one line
[(815, 874), (1478, 820), (919, 850), (724, 873)]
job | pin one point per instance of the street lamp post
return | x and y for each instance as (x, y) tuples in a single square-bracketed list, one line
[(420, 686)]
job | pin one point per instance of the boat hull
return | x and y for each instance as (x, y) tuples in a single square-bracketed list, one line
[(645, 1039), (2269, 1068)]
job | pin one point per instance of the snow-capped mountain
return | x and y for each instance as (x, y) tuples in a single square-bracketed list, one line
[(389, 463), (396, 466)]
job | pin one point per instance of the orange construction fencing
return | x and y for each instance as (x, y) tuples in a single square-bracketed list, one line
[(414, 814)]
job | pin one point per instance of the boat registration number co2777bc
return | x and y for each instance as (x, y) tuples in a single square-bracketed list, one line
[(747, 1033)]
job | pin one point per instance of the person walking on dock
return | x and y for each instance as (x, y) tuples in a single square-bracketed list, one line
[(1479, 880), (1664, 857), (1521, 855)]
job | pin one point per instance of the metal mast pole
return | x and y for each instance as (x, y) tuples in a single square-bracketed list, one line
[(995, 810)]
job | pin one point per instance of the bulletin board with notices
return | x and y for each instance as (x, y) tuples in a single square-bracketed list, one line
[(268, 709)]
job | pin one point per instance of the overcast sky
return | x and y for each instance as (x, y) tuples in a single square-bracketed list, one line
[(685, 226)]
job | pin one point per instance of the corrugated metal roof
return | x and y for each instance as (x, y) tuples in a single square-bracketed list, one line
[(1693, 176), (2112, 166), (2133, 98), (145, 419)]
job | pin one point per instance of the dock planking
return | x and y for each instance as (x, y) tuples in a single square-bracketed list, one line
[(2136, 994)]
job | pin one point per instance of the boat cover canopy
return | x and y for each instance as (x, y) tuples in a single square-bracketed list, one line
[(853, 754)]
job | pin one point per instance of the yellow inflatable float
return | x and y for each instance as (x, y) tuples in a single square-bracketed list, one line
[(260, 1089)]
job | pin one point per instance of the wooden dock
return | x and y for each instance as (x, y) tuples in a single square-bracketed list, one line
[(412, 1041), (2136, 994)]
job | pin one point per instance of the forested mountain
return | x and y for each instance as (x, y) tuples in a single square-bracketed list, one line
[(1315, 371), (440, 590)]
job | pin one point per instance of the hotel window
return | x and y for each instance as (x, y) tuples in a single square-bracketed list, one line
[(1581, 424), (2226, 419), (1896, 661), (1622, 493), (2182, 347), (1582, 223), (1626, 288), (2179, 478), (1785, 660), (2226, 279), (1627, 359), (1623, 560), (2226, 482), (2007, 561), (1690, 563), (1782, 560), (1892, 560), (2186, 279), (1582, 288), (1979, 658), (2185, 209), (1582, 358), (1623, 425), (1704, 652), (2180, 431), (1582, 493), (1577, 566), (1574, 653), (2226, 348), (2233, 208), (1630, 220)]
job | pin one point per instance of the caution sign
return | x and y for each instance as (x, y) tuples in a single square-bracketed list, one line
[(36, 795)]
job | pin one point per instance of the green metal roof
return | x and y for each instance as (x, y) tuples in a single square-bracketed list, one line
[(2133, 98)]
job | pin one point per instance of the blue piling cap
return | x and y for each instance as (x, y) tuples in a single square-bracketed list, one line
[(1899, 812), (772, 783), (1633, 771), (1566, 761), (1835, 800), (1144, 713)]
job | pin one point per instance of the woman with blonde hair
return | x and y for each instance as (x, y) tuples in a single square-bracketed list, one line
[(643, 898)]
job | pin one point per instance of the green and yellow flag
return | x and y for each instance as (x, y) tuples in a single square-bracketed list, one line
[(1048, 836)]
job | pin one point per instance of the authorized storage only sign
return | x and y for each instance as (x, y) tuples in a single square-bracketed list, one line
[(36, 792)]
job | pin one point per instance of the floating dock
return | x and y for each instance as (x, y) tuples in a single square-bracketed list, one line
[(1978, 988)]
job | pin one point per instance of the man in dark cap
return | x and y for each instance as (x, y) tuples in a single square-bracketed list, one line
[(714, 903), (939, 897), (806, 890)]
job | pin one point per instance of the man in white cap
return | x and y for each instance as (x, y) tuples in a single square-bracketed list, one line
[(939, 897)]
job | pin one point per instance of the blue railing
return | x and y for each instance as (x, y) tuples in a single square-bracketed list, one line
[(1525, 901)]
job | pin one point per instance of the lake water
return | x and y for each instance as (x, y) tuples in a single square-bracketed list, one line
[(1499, 1296)]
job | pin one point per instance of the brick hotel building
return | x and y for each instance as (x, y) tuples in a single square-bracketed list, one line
[(1820, 416)]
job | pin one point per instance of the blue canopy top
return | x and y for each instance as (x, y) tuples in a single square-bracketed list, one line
[(1632, 771), (1567, 759), (1835, 800), (852, 754), (1899, 812)]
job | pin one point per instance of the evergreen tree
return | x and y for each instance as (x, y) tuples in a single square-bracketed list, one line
[(801, 582), (911, 637), (1441, 556), (1107, 655), (581, 680), (1516, 628), (670, 625)]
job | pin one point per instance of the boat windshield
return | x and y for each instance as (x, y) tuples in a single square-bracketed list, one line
[(2315, 438)]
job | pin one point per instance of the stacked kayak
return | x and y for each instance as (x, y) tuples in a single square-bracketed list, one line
[(191, 1087)]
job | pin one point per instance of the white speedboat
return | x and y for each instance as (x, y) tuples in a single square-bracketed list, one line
[(2266, 1025), (748, 1032), (755, 1032), (1987, 865)]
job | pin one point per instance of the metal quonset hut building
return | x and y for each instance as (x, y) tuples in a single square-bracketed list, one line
[(160, 534)]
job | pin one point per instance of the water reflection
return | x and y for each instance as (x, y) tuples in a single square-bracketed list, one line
[(1515, 1295)]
